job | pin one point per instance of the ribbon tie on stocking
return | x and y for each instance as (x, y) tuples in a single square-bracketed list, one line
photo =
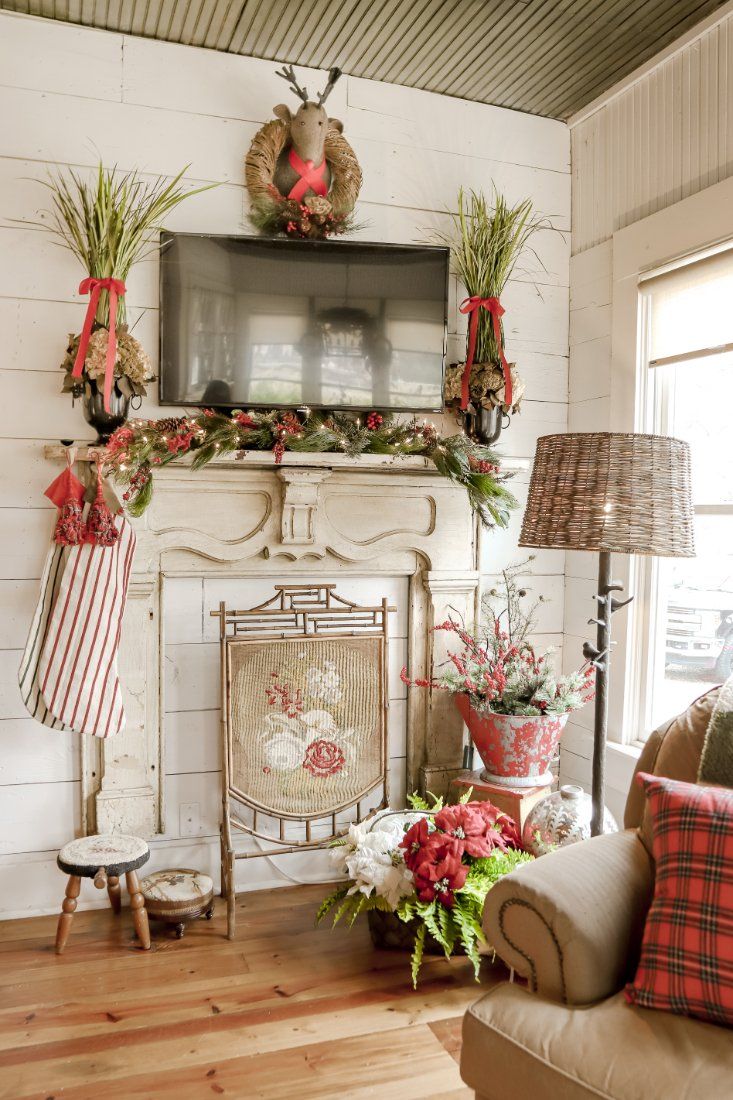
[(472, 306), (312, 177), (94, 287)]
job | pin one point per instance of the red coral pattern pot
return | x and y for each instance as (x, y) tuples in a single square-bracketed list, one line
[(516, 750)]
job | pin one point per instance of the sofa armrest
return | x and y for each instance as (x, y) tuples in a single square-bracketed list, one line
[(571, 922)]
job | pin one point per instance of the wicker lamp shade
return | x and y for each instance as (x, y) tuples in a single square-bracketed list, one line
[(610, 491)]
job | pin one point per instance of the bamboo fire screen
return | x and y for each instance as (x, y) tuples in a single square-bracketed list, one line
[(304, 723)]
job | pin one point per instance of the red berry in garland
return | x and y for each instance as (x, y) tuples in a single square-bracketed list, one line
[(374, 421), (481, 466)]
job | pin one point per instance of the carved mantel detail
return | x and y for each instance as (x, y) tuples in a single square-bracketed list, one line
[(313, 516), (300, 500)]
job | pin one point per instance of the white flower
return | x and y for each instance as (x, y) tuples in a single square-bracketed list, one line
[(320, 723), (377, 867), (372, 856), (325, 683), (284, 752)]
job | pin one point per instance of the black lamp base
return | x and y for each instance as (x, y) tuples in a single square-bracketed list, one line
[(600, 656)]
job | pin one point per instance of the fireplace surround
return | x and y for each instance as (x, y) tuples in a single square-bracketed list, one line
[(314, 516)]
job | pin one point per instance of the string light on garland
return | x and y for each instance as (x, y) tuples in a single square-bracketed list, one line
[(140, 445)]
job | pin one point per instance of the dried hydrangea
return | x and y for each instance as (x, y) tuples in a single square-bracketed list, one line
[(486, 384), (132, 361)]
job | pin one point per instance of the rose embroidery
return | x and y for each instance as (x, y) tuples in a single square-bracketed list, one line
[(323, 758)]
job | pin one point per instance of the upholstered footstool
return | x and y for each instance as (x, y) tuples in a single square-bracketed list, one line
[(177, 896), (104, 858)]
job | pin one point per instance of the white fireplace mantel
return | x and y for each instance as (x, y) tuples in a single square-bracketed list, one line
[(315, 515)]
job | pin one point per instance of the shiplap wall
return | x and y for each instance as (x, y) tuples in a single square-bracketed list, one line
[(667, 136), (70, 95)]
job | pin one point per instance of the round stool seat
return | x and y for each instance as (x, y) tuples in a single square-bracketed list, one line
[(178, 895), (116, 852)]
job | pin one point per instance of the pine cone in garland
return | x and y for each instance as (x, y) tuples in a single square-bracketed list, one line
[(170, 423)]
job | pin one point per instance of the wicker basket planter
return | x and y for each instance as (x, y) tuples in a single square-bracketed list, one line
[(389, 933)]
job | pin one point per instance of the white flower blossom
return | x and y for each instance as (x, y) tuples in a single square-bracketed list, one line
[(324, 683), (283, 751), (372, 856)]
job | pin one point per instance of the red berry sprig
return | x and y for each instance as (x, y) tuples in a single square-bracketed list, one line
[(140, 478), (374, 421), (481, 466)]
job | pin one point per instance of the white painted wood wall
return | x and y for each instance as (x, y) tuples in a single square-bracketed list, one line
[(663, 137), (666, 136), (70, 95)]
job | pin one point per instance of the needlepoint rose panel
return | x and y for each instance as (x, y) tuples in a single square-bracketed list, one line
[(306, 720)]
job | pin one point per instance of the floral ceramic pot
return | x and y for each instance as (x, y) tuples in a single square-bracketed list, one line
[(562, 818), (516, 750)]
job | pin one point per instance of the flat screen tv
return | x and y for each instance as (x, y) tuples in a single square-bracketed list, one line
[(261, 322)]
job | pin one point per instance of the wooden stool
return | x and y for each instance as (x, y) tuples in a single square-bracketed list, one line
[(104, 858), (177, 896)]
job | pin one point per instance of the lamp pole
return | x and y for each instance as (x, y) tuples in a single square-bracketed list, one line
[(600, 656)]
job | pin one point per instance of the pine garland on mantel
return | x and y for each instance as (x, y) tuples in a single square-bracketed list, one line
[(140, 447)]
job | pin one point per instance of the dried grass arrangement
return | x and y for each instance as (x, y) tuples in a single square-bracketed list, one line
[(316, 217), (109, 223), (486, 240)]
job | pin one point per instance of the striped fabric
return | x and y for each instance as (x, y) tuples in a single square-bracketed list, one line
[(68, 675), (686, 963)]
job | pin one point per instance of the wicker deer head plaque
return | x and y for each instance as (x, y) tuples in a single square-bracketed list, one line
[(302, 175)]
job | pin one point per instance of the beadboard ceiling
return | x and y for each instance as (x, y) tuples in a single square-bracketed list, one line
[(546, 57)]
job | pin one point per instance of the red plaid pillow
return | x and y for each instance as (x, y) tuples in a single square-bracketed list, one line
[(686, 963)]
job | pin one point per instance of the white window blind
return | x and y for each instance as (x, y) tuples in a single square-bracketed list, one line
[(690, 310)]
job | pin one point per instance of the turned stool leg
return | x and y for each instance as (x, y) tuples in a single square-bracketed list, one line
[(114, 893), (139, 915), (73, 886)]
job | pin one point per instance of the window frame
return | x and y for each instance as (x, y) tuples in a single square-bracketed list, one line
[(699, 224)]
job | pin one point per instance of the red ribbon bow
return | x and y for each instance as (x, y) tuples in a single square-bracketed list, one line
[(495, 308), (312, 176), (94, 287)]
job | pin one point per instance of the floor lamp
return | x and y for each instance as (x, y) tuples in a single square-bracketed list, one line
[(613, 493)]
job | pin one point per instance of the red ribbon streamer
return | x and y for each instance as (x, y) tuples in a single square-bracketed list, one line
[(472, 305), (94, 287), (312, 176)]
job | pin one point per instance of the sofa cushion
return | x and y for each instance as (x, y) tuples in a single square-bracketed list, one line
[(674, 750), (517, 1045), (686, 963)]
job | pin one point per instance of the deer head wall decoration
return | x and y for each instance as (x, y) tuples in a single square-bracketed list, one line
[(302, 168), (302, 175)]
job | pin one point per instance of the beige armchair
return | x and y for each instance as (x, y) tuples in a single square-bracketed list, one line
[(571, 924)]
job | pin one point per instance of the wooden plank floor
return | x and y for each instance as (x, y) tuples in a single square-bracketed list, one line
[(285, 1011)]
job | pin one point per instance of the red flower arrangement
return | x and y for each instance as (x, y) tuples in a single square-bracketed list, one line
[(435, 855), (429, 867)]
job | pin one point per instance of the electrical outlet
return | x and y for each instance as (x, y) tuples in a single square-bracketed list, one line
[(189, 819)]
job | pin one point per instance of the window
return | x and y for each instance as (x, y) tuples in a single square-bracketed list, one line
[(685, 612)]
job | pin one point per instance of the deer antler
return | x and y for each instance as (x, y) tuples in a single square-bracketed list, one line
[(333, 76), (288, 73)]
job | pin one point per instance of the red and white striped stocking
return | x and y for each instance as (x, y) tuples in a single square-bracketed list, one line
[(70, 664)]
